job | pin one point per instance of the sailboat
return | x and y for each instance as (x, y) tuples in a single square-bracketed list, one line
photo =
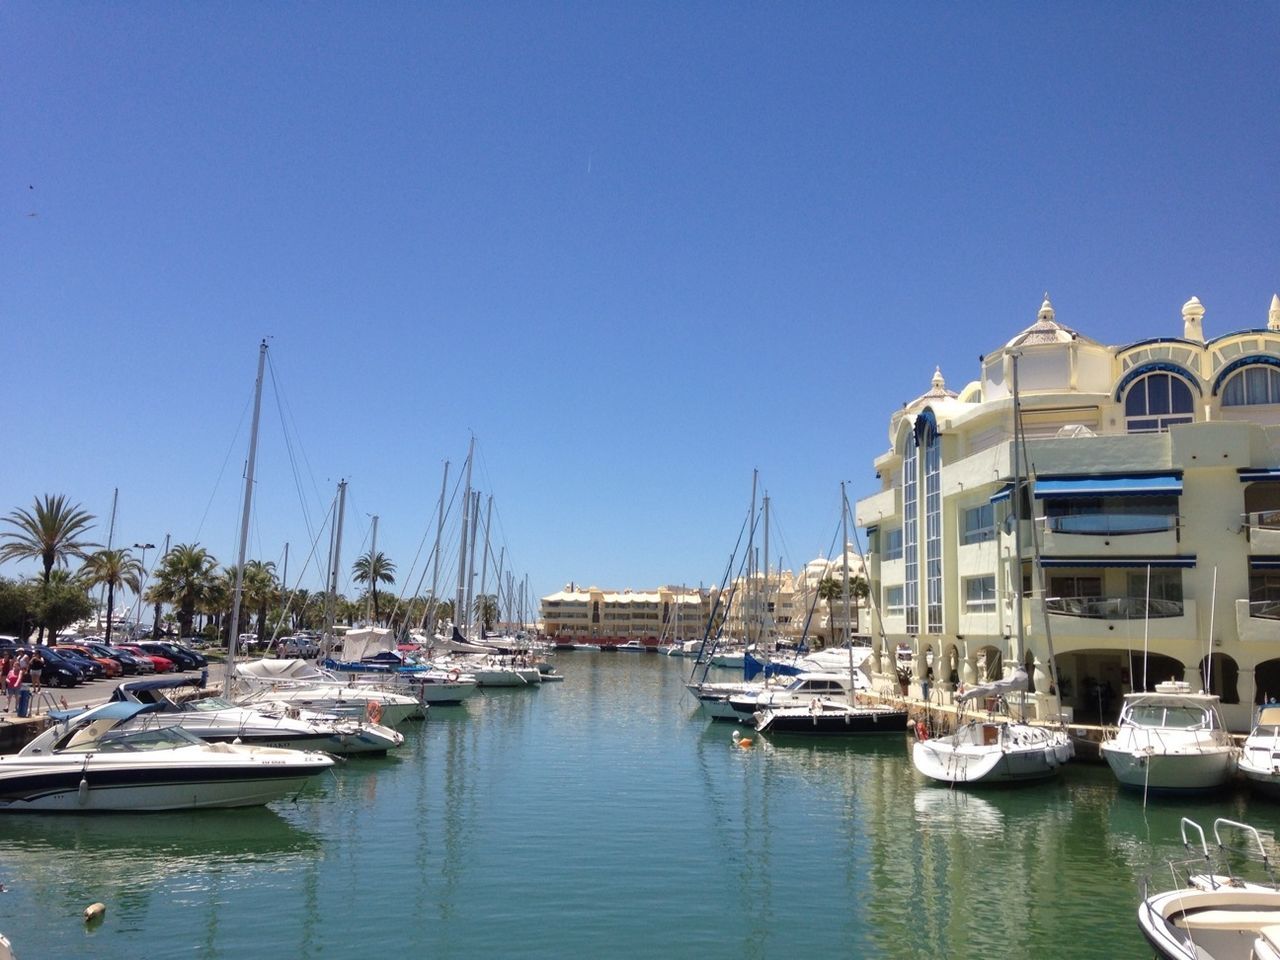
[(823, 716), (1004, 750)]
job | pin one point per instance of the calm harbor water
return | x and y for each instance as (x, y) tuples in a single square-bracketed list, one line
[(603, 815)]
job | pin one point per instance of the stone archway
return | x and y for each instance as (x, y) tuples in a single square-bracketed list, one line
[(1220, 675), (988, 664), (1266, 676)]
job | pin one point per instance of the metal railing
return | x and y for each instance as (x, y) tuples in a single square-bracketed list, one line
[(1265, 609), (1113, 524), (1113, 608)]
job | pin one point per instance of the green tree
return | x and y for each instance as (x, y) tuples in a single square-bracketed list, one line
[(60, 601), (16, 602), (371, 570), (259, 591), (184, 575), (112, 569), (50, 532), (485, 608)]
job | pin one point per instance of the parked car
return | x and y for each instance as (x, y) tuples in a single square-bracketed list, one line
[(185, 659), (162, 664), (58, 670), (90, 667), (127, 662), (140, 663), (111, 668), (297, 647)]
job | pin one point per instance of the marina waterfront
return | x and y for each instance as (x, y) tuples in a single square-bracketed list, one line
[(600, 816)]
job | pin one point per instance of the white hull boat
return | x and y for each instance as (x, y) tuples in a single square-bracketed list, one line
[(1171, 740), (1260, 756), (269, 724), (802, 689), (987, 752), (828, 718), (102, 760), (714, 698), (1215, 914)]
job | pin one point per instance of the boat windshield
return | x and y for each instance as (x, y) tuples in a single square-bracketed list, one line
[(1171, 717), (103, 737), (208, 704)]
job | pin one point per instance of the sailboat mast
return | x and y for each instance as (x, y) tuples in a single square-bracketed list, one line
[(844, 562), (237, 595), (484, 564), (1016, 501), (435, 561), (766, 626), (460, 605), (373, 553)]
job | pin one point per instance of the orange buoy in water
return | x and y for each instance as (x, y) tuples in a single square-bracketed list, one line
[(740, 741)]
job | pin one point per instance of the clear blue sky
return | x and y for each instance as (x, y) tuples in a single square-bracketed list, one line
[(637, 249)]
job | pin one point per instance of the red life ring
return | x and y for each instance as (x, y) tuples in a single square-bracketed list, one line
[(373, 710), (454, 674)]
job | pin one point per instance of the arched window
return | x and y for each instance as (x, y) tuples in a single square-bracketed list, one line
[(911, 536), (1156, 402), (1252, 385)]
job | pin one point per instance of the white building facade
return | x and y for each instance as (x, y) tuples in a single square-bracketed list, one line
[(1150, 531)]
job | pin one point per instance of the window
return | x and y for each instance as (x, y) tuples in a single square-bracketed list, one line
[(1156, 402), (1111, 516), (933, 529), (980, 594), (893, 601), (1250, 386), (910, 537), (892, 543), (979, 524), (1077, 587), (1165, 585)]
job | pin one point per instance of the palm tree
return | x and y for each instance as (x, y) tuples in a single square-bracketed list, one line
[(185, 574), (259, 590), (112, 569), (831, 589), (485, 608), (372, 569), (50, 533)]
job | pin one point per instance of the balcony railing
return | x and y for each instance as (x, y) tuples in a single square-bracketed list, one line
[(1111, 524), (1113, 608), (1265, 609), (1263, 520)]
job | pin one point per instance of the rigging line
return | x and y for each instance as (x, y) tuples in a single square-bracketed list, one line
[(287, 410), (813, 603), (223, 470), (288, 445), (715, 606), (292, 594)]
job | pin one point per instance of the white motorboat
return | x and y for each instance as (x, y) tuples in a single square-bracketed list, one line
[(297, 683), (631, 646), (1260, 756), (714, 698), (497, 671), (268, 724), (1214, 914), (1170, 740), (993, 750), (802, 689), (110, 758), (586, 647)]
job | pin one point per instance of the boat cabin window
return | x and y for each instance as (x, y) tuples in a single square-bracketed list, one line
[(208, 704), (1176, 718)]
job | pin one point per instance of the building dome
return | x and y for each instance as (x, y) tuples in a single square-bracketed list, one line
[(937, 391), (1046, 329)]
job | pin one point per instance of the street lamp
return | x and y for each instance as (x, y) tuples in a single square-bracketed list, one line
[(144, 547)]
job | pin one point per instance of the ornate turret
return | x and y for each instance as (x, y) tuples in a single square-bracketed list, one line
[(1192, 320), (1273, 317), (1046, 329)]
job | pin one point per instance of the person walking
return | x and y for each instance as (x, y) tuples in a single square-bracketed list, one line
[(12, 684), (6, 664)]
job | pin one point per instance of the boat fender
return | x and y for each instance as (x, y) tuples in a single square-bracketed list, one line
[(82, 794), (95, 912), (454, 674), (922, 732), (373, 710)]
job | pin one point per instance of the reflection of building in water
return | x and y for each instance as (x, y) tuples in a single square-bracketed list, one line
[(1154, 498)]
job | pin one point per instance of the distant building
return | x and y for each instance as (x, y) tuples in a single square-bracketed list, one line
[(1153, 499), (593, 615)]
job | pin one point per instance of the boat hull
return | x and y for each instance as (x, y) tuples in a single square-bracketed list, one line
[(831, 723), (1191, 924), (1199, 771), (959, 760), (104, 784)]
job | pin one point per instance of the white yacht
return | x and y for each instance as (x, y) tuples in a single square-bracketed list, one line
[(1260, 756), (802, 689), (103, 759), (269, 724), (1170, 740), (300, 684)]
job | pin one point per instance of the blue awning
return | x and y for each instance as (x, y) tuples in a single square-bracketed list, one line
[(1004, 493), (1131, 485), (1155, 563), (1264, 563), (1252, 475)]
